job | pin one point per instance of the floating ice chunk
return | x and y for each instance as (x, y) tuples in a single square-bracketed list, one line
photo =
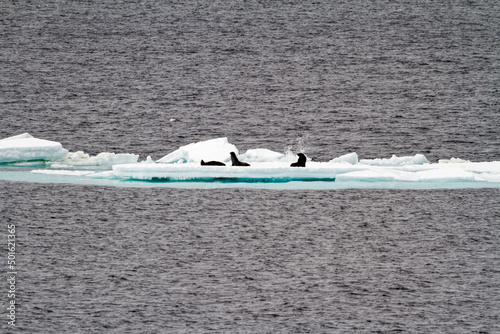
[(21, 136), (75, 158), (452, 161), (34, 163), (257, 172), (388, 174), (81, 158), (261, 155), (487, 177), (445, 175), (177, 156), (265, 155), (109, 159), (213, 149), (417, 159), (379, 174), (25, 147), (62, 172), (103, 175), (266, 166), (351, 158), (148, 160), (365, 175)]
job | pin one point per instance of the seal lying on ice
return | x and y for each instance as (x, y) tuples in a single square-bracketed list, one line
[(212, 163), (236, 162), (301, 162)]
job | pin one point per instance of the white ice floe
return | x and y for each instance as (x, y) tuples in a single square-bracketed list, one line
[(81, 158), (314, 171), (63, 172), (351, 158), (266, 166), (429, 174), (270, 166), (265, 155), (418, 159), (452, 161), (21, 136), (25, 147), (148, 160), (214, 149), (192, 171)]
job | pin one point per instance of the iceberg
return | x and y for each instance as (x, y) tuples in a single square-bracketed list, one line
[(25, 147)]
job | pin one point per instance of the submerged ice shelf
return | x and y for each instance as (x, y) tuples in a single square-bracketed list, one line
[(48, 162)]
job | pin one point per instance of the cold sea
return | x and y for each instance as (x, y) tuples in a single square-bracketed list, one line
[(323, 77)]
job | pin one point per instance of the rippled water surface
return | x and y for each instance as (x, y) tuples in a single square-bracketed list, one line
[(114, 260), (377, 78)]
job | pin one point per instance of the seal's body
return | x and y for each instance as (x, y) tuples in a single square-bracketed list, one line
[(301, 162), (236, 162), (212, 163)]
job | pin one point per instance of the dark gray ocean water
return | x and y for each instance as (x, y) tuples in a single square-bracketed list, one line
[(326, 77)]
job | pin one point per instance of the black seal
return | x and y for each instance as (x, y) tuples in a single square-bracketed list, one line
[(301, 162), (236, 162), (212, 163)]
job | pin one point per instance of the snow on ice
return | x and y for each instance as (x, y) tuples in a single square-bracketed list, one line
[(26, 148), (267, 166)]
